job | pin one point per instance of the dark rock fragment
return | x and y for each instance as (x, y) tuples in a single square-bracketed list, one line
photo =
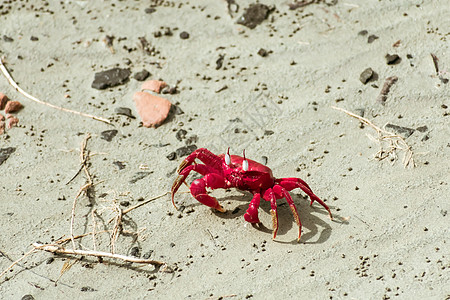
[(363, 32), (5, 153), (108, 135), (135, 251), (124, 111), (142, 75), (147, 255), (110, 78), (254, 15), (403, 131), (263, 52), (186, 150), (138, 176), (422, 128), (392, 59), (367, 75), (171, 156), (8, 40), (371, 38), (176, 110), (119, 164), (181, 134), (149, 10)]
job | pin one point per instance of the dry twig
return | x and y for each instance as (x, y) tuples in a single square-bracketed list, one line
[(394, 142), (84, 188), (17, 261), (20, 90), (60, 250)]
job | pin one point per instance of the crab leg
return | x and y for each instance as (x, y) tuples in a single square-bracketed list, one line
[(203, 154), (293, 183), (198, 190), (202, 169), (251, 215), (269, 195), (283, 193)]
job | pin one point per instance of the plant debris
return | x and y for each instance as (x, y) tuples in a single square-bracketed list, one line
[(390, 81)]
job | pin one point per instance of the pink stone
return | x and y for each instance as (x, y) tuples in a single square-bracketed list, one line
[(11, 122), (13, 106), (153, 110), (153, 85), (3, 100)]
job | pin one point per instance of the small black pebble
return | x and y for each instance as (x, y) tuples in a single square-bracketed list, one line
[(149, 10), (363, 32), (263, 52), (171, 156), (366, 75), (135, 251), (142, 75), (147, 255), (119, 164), (9, 40), (33, 38), (108, 135), (392, 59), (124, 111), (184, 35), (181, 134), (186, 150), (110, 78), (371, 38)]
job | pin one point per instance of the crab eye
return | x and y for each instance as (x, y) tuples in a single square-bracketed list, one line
[(245, 163), (227, 157)]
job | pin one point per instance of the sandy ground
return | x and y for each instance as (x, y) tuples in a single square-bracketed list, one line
[(389, 236)]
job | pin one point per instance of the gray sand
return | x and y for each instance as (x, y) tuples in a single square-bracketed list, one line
[(389, 237)]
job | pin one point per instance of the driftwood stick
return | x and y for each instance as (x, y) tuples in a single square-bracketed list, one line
[(60, 250), (31, 97)]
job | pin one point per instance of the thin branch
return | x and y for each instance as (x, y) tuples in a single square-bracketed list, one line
[(143, 203), (83, 188), (20, 90), (60, 250), (17, 261)]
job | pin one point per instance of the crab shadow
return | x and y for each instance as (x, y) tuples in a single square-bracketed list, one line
[(312, 224)]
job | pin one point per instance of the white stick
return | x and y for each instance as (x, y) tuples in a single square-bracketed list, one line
[(14, 84)]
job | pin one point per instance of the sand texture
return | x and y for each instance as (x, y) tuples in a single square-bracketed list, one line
[(284, 91)]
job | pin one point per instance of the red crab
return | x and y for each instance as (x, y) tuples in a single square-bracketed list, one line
[(226, 171)]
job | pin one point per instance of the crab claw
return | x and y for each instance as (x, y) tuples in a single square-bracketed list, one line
[(183, 165), (176, 185)]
